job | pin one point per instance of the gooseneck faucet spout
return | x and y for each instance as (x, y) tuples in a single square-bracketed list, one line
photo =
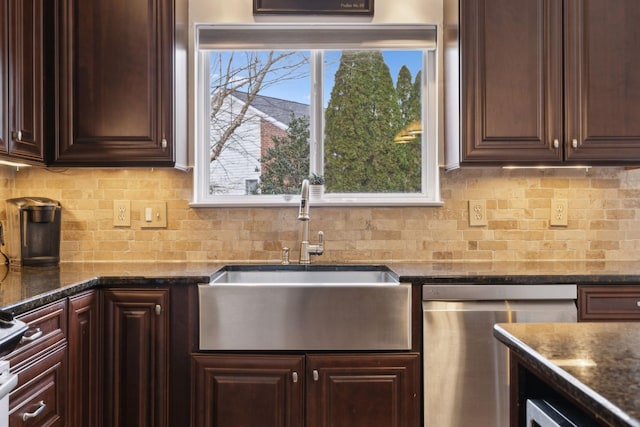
[(303, 213), (306, 248)]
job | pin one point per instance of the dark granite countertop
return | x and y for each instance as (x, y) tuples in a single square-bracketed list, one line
[(598, 364), (34, 286)]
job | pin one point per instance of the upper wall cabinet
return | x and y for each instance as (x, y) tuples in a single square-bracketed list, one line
[(25, 51), (115, 105), (546, 81)]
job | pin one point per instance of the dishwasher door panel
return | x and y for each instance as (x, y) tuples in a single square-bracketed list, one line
[(465, 367)]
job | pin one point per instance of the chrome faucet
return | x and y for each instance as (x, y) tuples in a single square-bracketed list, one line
[(306, 248)]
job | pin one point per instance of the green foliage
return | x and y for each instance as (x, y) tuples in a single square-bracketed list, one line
[(316, 179), (286, 164), (364, 114)]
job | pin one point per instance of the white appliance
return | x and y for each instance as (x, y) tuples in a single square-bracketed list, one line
[(7, 383)]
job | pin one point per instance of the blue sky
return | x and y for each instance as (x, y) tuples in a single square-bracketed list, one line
[(299, 91)]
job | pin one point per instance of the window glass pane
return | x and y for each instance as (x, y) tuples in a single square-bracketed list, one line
[(372, 121), (258, 121)]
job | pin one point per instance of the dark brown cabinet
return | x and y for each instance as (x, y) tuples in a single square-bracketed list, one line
[(336, 389), (619, 303), (84, 389), (27, 79), (115, 105), (361, 390), (550, 82), (135, 357), (247, 390), (40, 398)]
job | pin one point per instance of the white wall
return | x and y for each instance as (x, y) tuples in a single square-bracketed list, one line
[(385, 11)]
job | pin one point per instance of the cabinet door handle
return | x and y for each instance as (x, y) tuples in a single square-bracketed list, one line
[(316, 375), (35, 413), (637, 303), (294, 376), (556, 143), (574, 143), (163, 143), (32, 337), (158, 309), (17, 135)]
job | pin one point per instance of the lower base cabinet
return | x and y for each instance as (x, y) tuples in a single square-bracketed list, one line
[(84, 386), (135, 357), (40, 361), (354, 390)]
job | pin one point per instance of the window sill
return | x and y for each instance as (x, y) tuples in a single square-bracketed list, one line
[(327, 201)]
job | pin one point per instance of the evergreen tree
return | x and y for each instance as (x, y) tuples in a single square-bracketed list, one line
[(413, 150), (361, 121), (404, 91), (286, 164)]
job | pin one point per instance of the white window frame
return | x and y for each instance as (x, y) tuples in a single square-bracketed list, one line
[(271, 36)]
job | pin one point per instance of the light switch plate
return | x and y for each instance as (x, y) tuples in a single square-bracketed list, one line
[(153, 215), (477, 213)]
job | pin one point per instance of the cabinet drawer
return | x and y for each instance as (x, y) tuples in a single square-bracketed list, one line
[(41, 392), (47, 327), (609, 303)]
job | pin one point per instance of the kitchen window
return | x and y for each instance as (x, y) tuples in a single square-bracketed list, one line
[(355, 104)]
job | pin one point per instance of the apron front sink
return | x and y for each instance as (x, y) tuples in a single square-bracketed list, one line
[(304, 308)]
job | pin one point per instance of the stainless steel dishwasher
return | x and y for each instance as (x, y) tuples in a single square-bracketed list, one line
[(466, 376)]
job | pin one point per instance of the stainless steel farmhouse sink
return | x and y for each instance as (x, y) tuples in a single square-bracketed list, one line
[(305, 308)]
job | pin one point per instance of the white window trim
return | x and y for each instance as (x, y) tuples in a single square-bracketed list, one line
[(430, 196)]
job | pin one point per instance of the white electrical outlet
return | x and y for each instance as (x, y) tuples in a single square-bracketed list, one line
[(121, 213), (559, 213), (477, 213)]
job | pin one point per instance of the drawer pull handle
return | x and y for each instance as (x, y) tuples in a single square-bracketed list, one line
[(295, 377), (158, 309), (32, 337), (35, 413), (316, 375), (638, 303)]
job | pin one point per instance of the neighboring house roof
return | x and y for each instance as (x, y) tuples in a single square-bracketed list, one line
[(278, 109)]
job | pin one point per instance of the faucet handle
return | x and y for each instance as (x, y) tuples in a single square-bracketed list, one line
[(285, 256)]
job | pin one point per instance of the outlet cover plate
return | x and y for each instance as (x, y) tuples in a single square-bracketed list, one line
[(477, 213), (559, 213)]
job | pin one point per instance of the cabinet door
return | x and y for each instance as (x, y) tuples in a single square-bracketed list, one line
[(247, 390), (116, 89), (29, 51), (602, 80), (135, 360), (511, 65), (83, 360), (4, 113), (363, 390)]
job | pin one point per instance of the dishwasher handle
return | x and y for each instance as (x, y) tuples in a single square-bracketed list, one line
[(498, 292)]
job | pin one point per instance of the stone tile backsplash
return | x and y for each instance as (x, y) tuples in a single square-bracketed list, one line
[(603, 219)]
